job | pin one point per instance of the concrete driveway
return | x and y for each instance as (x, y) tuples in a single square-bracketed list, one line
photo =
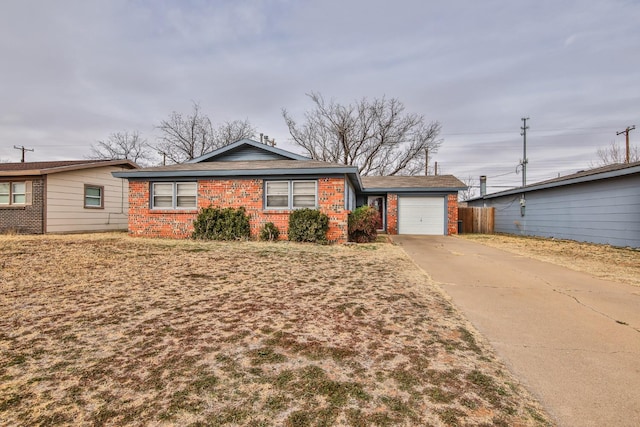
[(573, 340)]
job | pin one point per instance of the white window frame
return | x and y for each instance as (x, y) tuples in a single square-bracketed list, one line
[(290, 194), (11, 201), (174, 195), (266, 195), (100, 198), (315, 194)]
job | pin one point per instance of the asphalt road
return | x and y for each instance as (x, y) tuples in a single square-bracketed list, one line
[(572, 339)]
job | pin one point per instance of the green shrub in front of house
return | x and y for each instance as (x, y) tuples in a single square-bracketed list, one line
[(221, 224), (363, 224), (308, 225), (269, 232)]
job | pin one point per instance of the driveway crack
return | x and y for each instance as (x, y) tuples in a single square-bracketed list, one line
[(573, 297)]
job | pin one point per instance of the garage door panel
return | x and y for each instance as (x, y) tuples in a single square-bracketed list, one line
[(421, 215)]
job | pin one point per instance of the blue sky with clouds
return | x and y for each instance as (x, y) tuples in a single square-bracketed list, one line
[(72, 72)]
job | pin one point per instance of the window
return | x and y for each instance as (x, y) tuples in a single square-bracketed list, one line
[(304, 194), (290, 194), (174, 195), (15, 193), (93, 197), (5, 193), (278, 194)]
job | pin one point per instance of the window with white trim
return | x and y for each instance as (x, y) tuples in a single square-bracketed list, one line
[(93, 197), (291, 194), (174, 195), (15, 193)]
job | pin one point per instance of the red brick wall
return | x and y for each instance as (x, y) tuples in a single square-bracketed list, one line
[(452, 211), (232, 193), (392, 213)]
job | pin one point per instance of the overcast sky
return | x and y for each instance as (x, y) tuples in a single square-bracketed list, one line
[(72, 72)]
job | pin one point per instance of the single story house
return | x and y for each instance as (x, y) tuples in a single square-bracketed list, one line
[(270, 182), (600, 205), (63, 196)]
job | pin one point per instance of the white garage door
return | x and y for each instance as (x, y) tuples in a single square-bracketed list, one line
[(421, 215)]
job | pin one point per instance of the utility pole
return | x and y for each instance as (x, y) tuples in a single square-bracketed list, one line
[(23, 149), (426, 161), (626, 132), (164, 157), (524, 160)]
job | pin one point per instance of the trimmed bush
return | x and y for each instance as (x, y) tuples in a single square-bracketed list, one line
[(269, 232), (363, 224), (308, 225), (221, 224)]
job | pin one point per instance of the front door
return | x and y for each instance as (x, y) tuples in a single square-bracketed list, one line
[(377, 202)]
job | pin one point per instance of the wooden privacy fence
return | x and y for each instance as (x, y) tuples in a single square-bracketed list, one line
[(476, 220)]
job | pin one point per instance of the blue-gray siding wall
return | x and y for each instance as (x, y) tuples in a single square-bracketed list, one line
[(246, 153), (605, 211)]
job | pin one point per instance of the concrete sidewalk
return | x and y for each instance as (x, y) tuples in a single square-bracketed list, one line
[(573, 340)]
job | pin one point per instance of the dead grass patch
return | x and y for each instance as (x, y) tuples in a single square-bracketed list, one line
[(603, 261), (107, 329)]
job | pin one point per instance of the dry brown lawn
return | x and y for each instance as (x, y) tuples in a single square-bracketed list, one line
[(603, 261), (111, 330)]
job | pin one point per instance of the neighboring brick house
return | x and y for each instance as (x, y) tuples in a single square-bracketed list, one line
[(270, 182), (63, 196)]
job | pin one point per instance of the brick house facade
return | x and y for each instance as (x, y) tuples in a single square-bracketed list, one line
[(27, 218), (243, 174), (234, 193)]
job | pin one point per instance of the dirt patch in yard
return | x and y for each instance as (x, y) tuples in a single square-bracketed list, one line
[(107, 329), (606, 262)]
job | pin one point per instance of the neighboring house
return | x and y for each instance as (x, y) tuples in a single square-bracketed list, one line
[(271, 182), (63, 196), (598, 205)]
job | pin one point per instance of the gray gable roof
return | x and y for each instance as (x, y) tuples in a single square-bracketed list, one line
[(247, 149), (399, 184)]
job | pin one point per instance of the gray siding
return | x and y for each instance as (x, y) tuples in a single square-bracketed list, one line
[(605, 211), (247, 153)]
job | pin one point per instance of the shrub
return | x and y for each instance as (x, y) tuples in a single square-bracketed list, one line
[(221, 224), (269, 232), (363, 224), (308, 225)]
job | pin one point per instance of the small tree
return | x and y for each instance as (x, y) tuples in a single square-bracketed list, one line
[(363, 224)]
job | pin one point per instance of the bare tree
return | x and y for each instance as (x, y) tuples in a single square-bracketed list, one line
[(470, 192), (230, 132), (616, 153), (185, 137), (375, 135), (123, 145)]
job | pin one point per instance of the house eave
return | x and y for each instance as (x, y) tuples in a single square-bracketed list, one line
[(47, 171), (401, 190), (233, 172)]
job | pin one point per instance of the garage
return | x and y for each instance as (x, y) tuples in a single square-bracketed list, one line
[(421, 215)]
